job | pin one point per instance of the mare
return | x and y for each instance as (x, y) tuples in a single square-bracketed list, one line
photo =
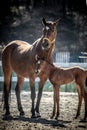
[(59, 76), (19, 56)]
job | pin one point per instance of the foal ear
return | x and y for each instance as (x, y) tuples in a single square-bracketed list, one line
[(56, 22), (44, 21)]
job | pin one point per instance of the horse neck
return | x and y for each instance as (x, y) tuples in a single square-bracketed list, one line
[(44, 54), (50, 67), (47, 55)]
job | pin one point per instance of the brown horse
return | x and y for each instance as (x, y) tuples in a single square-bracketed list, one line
[(19, 56), (59, 76)]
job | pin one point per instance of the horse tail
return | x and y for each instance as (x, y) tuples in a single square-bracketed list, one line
[(86, 82), (86, 79)]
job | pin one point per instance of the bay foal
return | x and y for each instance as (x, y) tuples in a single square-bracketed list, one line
[(59, 76), (19, 56)]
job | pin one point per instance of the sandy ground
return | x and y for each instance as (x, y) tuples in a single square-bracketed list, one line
[(66, 121)]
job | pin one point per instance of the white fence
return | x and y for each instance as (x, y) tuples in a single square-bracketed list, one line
[(66, 57)]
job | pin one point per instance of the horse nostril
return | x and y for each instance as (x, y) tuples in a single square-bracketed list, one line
[(36, 71)]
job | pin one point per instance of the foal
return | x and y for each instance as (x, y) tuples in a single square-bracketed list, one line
[(59, 76)]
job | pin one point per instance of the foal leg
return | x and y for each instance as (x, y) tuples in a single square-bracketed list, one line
[(57, 101), (17, 91), (54, 106), (80, 100), (85, 101), (42, 82)]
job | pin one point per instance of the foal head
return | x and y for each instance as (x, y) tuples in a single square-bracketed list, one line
[(43, 65), (49, 33)]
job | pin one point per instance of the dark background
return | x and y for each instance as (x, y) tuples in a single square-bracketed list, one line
[(21, 19)]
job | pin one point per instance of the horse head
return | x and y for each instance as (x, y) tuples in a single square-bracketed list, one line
[(49, 33)]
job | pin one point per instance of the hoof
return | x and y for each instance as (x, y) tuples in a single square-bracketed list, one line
[(51, 117), (38, 115), (75, 117), (33, 116), (7, 114), (56, 118), (7, 117), (22, 113)]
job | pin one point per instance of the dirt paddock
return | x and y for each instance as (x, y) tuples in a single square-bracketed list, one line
[(66, 121)]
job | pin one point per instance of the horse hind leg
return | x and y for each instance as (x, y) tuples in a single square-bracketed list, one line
[(54, 106), (80, 97), (85, 101), (57, 101), (17, 91), (54, 109), (84, 95), (6, 91)]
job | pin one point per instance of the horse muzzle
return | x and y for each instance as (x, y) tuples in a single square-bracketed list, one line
[(37, 72), (46, 44)]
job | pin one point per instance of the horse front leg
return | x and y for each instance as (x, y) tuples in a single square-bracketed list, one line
[(17, 91), (33, 95), (41, 85)]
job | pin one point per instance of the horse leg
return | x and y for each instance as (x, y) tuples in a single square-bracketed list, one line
[(85, 101), (33, 95), (6, 91), (57, 101), (80, 100), (17, 91), (54, 106), (84, 94), (41, 84)]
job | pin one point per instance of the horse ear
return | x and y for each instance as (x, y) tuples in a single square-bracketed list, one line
[(57, 21), (43, 21)]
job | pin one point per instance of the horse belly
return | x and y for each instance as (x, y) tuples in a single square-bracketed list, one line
[(67, 78)]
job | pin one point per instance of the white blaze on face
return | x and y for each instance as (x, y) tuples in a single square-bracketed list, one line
[(47, 28)]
